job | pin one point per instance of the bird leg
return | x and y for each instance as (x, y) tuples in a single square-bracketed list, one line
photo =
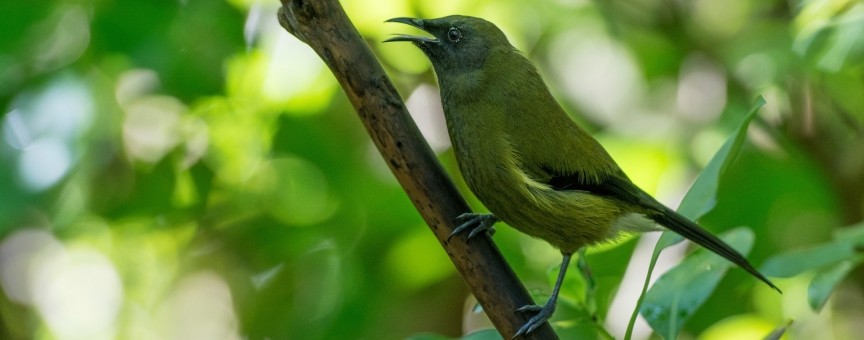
[(476, 223), (544, 312)]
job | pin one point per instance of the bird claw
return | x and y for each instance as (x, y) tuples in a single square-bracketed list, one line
[(476, 223), (543, 314), (530, 308), (490, 230)]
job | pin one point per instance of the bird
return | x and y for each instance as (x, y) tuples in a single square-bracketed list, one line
[(527, 161)]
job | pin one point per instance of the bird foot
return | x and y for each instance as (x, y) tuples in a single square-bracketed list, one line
[(476, 223), (543, 313)]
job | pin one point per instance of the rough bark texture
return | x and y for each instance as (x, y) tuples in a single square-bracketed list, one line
[(323, 25)]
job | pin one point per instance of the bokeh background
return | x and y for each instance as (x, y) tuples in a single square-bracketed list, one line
[(188, 170)]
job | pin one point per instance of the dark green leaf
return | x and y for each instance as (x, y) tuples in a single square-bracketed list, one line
[(680, 292)]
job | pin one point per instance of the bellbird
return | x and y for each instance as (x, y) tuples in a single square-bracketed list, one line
[(530, 164)]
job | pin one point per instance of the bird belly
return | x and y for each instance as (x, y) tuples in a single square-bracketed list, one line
[(568, 220)]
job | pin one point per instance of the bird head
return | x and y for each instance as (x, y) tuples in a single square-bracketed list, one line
[(458, 43)]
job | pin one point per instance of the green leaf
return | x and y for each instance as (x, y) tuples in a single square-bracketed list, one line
[(853, 233), (823, 284), (846, 245), (427, 336), (831, 35), (798, 261), (576, 315), (681, 291), (778, 332), (701, 197), (666, 240), (834, 260), (483, 334), (584, 329)]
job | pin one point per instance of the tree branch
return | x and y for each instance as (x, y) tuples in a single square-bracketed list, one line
[(324, 26)]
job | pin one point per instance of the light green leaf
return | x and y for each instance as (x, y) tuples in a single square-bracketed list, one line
[(853, 233), (846, 245), (834, 260), (581, 329), (681, 291), (830, 35), (702, 196), (798, 261), (823, 284)]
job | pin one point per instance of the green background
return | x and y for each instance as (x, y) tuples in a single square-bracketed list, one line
[(189, 170)]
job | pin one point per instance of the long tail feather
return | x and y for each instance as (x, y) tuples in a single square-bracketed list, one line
[(695, 233)]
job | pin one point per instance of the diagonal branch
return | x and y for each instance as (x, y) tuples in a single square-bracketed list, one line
[(324, 26)]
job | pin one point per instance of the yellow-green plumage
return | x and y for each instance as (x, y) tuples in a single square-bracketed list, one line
[(526, 160), (501, 136)]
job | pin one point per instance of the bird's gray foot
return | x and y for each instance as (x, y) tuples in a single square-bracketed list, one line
[(474, 224), (542, 313)]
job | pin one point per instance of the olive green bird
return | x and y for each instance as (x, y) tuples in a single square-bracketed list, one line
[(527, 161)]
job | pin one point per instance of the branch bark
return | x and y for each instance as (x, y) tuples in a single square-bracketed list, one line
[(323, 25)]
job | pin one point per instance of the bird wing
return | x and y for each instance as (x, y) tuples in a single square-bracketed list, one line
[(616, 186)]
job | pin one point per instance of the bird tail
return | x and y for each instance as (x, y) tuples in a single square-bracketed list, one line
[(692, 231)]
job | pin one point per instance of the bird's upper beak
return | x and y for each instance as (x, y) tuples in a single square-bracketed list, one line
[(419, 23)]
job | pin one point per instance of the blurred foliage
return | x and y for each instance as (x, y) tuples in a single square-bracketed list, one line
[(189, 170)]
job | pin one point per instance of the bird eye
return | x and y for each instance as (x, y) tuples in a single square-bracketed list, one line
[(454, 35)]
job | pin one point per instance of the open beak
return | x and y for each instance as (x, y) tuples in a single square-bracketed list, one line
[(419, 23)]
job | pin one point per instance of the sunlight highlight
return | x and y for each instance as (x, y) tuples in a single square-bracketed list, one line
[(44, 126), (76, 290)]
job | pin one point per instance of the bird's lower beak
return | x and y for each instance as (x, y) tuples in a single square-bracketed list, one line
[(411, 38)]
